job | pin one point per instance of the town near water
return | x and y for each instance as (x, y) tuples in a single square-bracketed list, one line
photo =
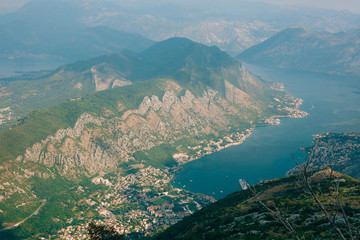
[(137, 204)]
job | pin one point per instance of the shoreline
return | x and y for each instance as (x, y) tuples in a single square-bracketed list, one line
[(233, 139), (183, 159)]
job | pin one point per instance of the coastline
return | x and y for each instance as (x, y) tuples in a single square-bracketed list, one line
[(233, 139)]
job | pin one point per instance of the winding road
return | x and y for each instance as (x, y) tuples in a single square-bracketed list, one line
[(22, 221)]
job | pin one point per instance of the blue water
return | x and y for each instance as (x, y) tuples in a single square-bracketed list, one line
[(18, 66), (334, 106)]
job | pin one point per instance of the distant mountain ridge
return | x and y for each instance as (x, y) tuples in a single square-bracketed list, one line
[(302, 49), (21, 40), (42, 29), (232, 29)]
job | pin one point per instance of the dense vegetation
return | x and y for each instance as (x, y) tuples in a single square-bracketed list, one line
[(241, 216)]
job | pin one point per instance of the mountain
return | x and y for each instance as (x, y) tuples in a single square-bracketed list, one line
[(340, 152), (19, 97), (232, 29), (299, 48), (231, 25), (109, 156), (242, 216), (177, 58), (22, 40), (53, 29)]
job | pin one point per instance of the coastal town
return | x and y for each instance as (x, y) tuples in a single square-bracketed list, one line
[(135, 204), (338, 151)]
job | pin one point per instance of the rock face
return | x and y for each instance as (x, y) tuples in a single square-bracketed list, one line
[(86, 146), (302, 49), (104, 77)]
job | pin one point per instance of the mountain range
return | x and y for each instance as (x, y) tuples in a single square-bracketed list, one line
[(302, 49), (44, 29), (178, 58), (181, 100), (65, 28), (100, 140)]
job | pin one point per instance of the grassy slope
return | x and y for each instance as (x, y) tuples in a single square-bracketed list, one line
[(237, 215)]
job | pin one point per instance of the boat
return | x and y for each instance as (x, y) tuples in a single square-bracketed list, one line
[(243, 184)]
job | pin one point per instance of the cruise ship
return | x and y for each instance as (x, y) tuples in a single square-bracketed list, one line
[(243, 184)]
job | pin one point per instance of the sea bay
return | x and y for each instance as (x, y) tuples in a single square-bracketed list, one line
[(19, 66), (332, 102)]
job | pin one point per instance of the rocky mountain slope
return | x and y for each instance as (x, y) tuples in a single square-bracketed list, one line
[(19, 96), (302, 49), (185, 100), (177, 58), (241, 215)]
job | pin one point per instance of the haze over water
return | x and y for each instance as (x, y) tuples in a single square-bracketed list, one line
[(18, 66), (333, 106)]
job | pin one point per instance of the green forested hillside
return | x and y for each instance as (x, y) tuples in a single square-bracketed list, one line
[(241, 216)]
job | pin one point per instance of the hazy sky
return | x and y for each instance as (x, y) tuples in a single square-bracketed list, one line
[(352, 5), (12, 3)]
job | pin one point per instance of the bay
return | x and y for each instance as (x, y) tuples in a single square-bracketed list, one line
[(19, 66), (333, 104)]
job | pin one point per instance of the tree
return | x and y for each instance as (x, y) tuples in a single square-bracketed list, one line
[(103, 232), (279, 215), (330, 203), (306, 181)]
